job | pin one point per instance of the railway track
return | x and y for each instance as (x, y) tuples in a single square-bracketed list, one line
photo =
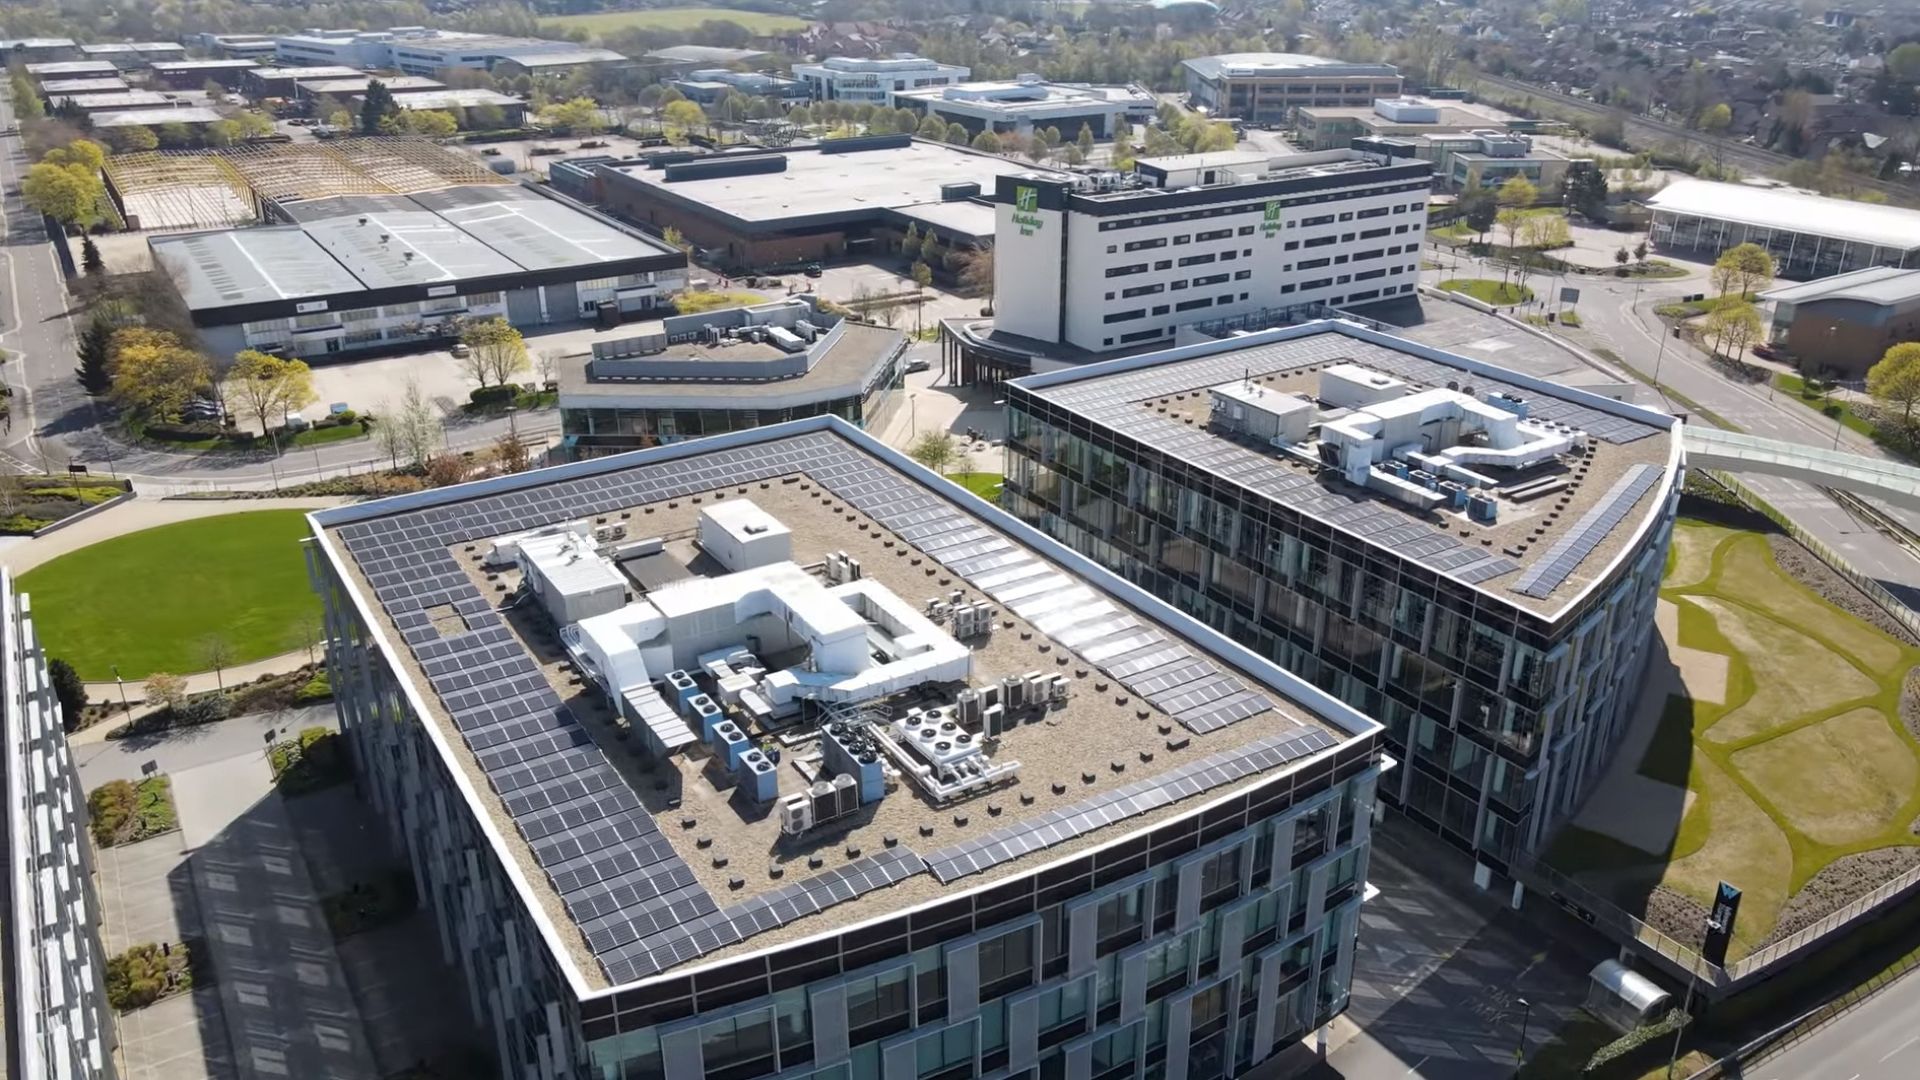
[(1646, 133)]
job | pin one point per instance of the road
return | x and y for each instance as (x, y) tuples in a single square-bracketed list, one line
[(1620, 315), (1879, 1040)]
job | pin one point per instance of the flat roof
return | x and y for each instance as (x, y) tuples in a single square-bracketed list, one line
[(816, 183), (458, 99), (133, 47), (1162, 716), (82, 86), (1008, 96), (704, 54), (153, 117), (1873, 285), (843, 367), (457, 234), (1792, 211), (114, 100), (1249, 65), (1160, 400), (204, 65), (315, 71), (398, 84), (536, 58), (1452, 114), (72, 67)]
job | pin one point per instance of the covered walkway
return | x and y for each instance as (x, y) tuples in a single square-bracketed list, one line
[(1737, 452)]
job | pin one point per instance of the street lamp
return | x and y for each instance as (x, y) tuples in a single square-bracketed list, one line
[(122, 684), (1520, 1051)]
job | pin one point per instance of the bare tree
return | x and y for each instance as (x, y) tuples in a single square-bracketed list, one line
[(547, 365), (418, 427), (218, 653)]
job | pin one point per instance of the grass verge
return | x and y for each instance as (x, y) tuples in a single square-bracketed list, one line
[(1489, 291), (1815, 398), (984, 484)]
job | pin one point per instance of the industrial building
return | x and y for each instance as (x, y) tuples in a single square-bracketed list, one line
[(42, 50), (195, 74), (836, 198), (133, 55), (384, 272), (1267, 87), (72, 69), (471, 107), (1808, 235), (418, 50), (284, 82), (1090, 265), (715, 372), (343, 89), (709, 85), (774, 754), (1335, 127), (52, 985), (1843, 325), (57, 87), (193, 118), (871, 80), (1470, 555), (255, 47), (113, 101), (1030, 103), (684, 58), (1485, 159)]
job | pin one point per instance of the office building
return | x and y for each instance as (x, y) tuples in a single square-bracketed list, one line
[(1030, 103), (709, 85), (715, 372), (869, 80), (132, 55), (786, 757), (1844, 324), (1267, 87), (837, 198), (53, 986), (256, 47), (1488, 159), (195, 74), (1470, 555), (358, 273), (1334, 127), (1088, 265), (417, 50), (1808, 235)]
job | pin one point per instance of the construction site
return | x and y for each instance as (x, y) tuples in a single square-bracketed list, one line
[(172, 191)]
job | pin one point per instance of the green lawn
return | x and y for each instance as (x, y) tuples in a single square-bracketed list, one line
[(1797, 387), (1789, 771), (1489, 291), (984, 484), (675, 18), (330, 434), (1687, 309), (148, 601)]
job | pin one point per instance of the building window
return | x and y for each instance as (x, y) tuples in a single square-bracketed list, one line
[(793, 1023), (946, 1055), (1125, 316), (1322, 241), (877, 1006), (1006, 963), (1140, 290), (1124, 271), (1141, 245), (737, 1048)]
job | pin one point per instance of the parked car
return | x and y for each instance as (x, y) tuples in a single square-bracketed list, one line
[(918, 363), (814, 270), (460, 350)]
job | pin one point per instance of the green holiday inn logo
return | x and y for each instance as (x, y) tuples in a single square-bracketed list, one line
[(1270, 223), (1026, 200)]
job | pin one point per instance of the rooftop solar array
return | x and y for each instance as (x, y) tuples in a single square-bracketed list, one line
[(1587, 533), (1113, 401), (635, 900), (1142, 796)]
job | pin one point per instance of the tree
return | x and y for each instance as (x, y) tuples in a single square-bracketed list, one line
[(932, 129), (1480, 209), (1084, 140), (133, 139), (496, 350), (376, 108), (929, 247), (977, 274), (581, 115), (957, 135), (684, 115), (675, 238), (1715, 119), (95, 354), (175, 135), (70, 691), (1895, 380), (90, 259), (154, 375), (1587, 192), (1640, 251), (432, 123), (223, 133), (410, 430), (83, 152), (1518, 193), (70, 194), (987, 142), (265, 384), (910, 241), (922, 277), (169, 690), (340, 120), (1753, 267), (935, 450), (1621, 256), (1733, 324), (217, 652), (510, 455)]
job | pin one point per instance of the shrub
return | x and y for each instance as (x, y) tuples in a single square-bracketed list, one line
[(110, 807), (203, 709), (146, 973), (311, 760), (492, 395), (1656, 1035), (70, 690), (315, 690), (122, 812)]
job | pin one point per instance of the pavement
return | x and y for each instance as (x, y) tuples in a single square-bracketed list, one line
[(100, 759)]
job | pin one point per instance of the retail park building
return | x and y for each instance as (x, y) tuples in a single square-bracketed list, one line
[(726, 793)]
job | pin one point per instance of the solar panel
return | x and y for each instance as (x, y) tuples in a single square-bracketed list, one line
[(1560, 560)]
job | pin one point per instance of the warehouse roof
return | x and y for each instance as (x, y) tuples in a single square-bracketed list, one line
[(72, 68), (1873, 285), (352, 244), (343, 87), (155, 117), (458, 99), (1792, 211), (1251, 65), (704, 54), (313, 71)]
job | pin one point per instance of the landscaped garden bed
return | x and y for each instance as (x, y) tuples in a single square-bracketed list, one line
[(368, 905), (31, 503), (315, 759), (123, 812), (151, 972)]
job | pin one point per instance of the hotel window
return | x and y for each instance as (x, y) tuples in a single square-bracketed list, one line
[(1006, 963)]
